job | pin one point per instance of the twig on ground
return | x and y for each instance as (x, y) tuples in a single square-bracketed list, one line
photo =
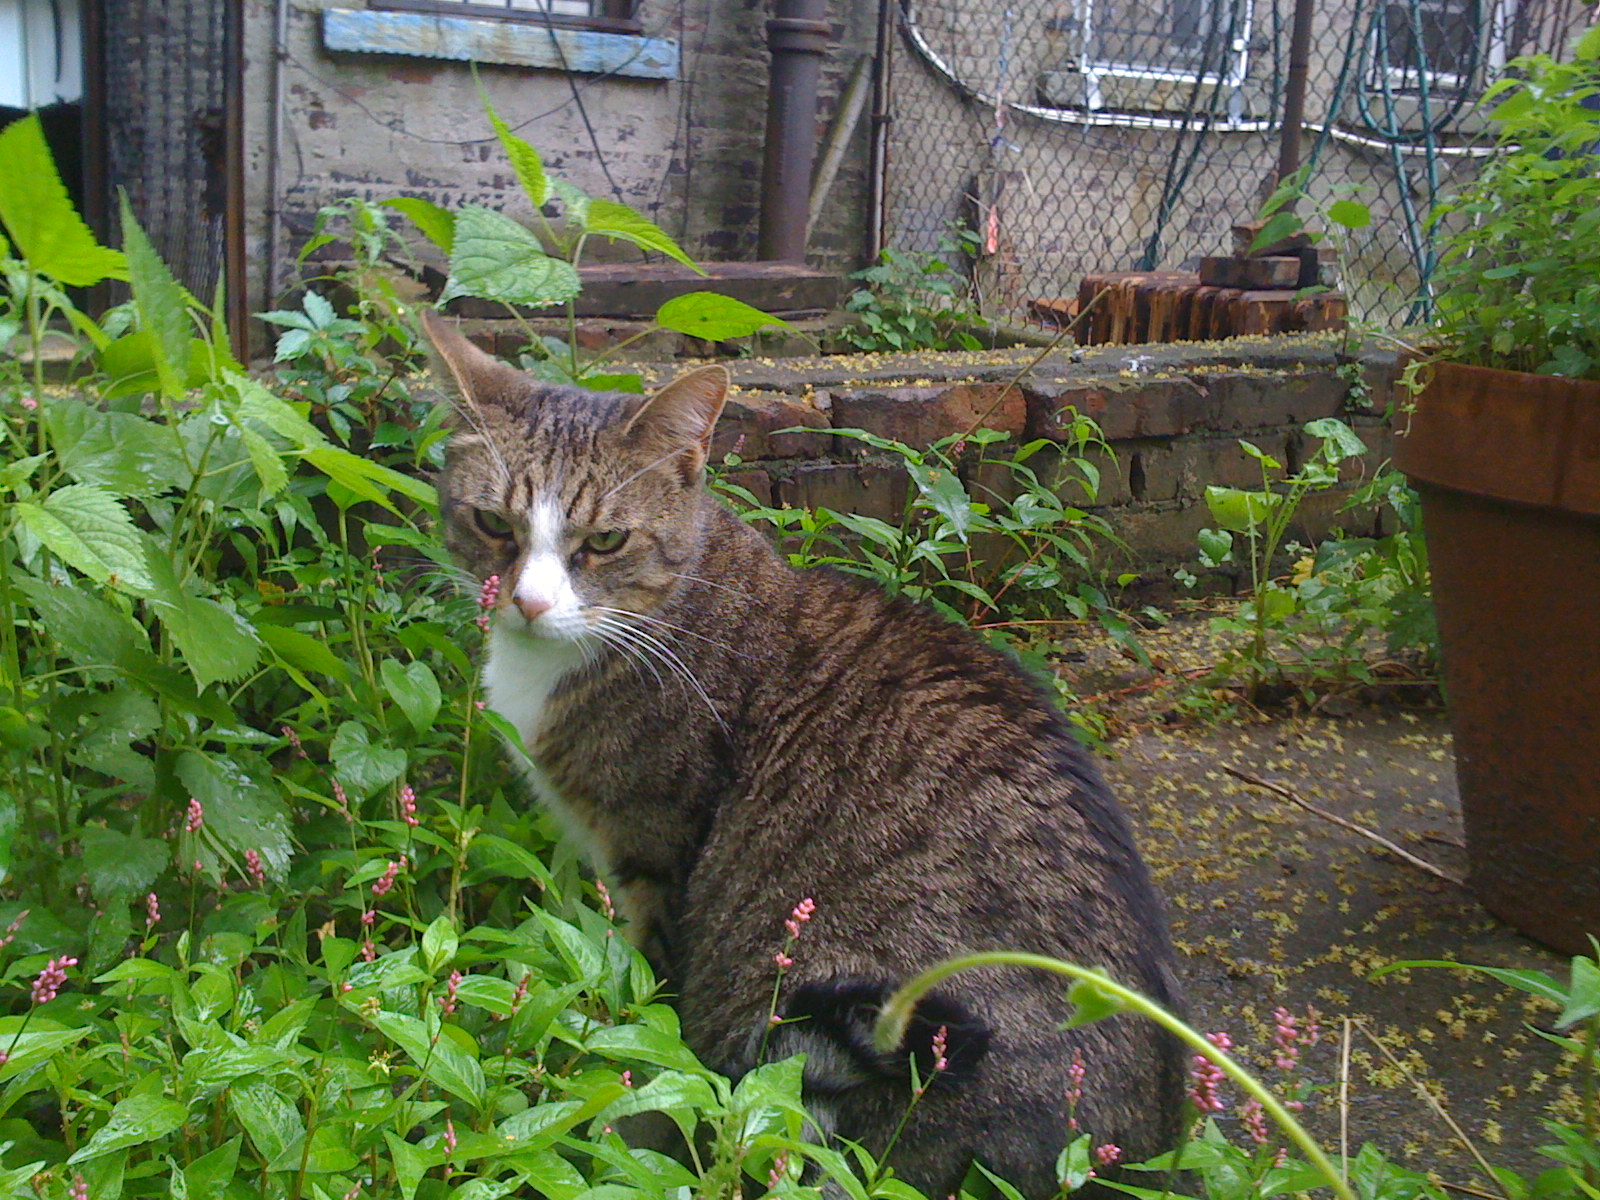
[(1278, 789), (1344, 1100), (1429, 1099)]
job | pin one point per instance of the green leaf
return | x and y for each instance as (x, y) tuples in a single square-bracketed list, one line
[(240, 812), (439, 942), (1239, 510), (31, 1046), (1091, 1003), (494, 258), (272, 1123), (573, 199), (524, 160), (302, 651), (133, 1122), (1339, 440), (414, 689), (216, 643), (1278, 226), (411, 1163), (436, 224), (943, 489), (1216, 546), (209, 1175), (161, 303), (121, 452), (369, 480), (362, 766), (266, 461), (39, 215), (87, 528), (447, 1064), (621, 223), (1583, 993), (644, 1044), (120, 865), (1350, 213), (89, 631), (713, 316)]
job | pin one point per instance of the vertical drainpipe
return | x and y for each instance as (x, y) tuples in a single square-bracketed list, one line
[(881, 116), (798, 38), (1294, 97), (280, 55)]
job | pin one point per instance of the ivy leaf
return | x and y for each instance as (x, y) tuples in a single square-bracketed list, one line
[(494, 258), (39, 214), (87, 528), (713, 316), (621, 223)]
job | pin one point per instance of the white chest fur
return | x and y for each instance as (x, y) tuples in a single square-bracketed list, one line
[(519, 678)]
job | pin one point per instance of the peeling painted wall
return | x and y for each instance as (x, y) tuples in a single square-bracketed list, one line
[(685, 152)]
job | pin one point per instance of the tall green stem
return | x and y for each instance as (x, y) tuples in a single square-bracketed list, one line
[(896, 1016)]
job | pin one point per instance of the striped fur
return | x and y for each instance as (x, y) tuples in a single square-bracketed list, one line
[(731, 735)]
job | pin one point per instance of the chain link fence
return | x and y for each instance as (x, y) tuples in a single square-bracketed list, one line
[(1069, 137)]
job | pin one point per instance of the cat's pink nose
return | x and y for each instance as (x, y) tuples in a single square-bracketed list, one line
[(530, 606)]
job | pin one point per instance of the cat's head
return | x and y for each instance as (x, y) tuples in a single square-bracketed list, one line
[(588, 506)]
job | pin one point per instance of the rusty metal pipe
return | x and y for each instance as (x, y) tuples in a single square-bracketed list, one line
[(798, 38), (1294, 93)]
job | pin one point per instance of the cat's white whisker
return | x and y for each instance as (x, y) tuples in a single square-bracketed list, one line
[(664, 654), (642, 471), (654, 620)]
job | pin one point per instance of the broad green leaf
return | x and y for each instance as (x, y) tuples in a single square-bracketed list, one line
[(91, 632), (256, 403), (582, 956), (1216, 545), (943, 489), (575, 201), (272, 1123), (209, 1175), (1276, 602), (713, 316), (31, 1046), (87, 528), (488, 992), (211, 1067), (121, 452), (524, 160), (359, 764), (1239, 510), (217, 644), (668, 1091), (39, 215), (10, 825), (302, 651), (120, 865), (494, 258), (1091, 1003), (1583, 993), (411, 1163), (414, 688), (436, 224), (1350, 213), (133, 1122), (1277, 227), (162, 305), (439, 942), (16, 473), (1340, 441), (644, 1044), (240, 812), (269, 468), (610, 219), (369, 480), (447, 1064)]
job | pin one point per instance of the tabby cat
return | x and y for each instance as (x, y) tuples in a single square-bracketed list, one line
[(725, 736)]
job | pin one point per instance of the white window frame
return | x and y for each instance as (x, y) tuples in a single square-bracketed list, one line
[(1407, 81), (1093, 68)]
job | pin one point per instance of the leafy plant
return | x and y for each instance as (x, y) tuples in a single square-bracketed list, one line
[(493, 257), (1519, 276), (916, 301)]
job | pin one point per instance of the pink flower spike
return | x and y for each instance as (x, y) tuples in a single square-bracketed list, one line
[(801, 914), (780, 1168), (1108, 1154), (606, 904), (941, 1042), (487, 596), (783, 960), (252, 864), (449, 1136), (79, 1189), (386, 881), (1205, 1077), (408, 805), (194, 816), (1254, 1120), (152, 911), (51, 978), (627, 1079)]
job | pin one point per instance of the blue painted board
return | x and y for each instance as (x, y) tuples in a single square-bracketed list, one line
[(464, 39)]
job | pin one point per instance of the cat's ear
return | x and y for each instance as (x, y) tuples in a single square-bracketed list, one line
[(480, 378), (680, 418)]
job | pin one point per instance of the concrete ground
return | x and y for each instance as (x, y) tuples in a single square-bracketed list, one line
[(1273, 906)]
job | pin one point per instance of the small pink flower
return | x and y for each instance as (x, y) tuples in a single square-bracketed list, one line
[(783, 960), (355, 1190), (11, 929), (1286, 1036), (486, 600), (627, 1079), (521, 994), (447, 1002), (408, 805), (5, 1055), (386, 881), (1205, 1077), (194, 816), (51, 978), (342, 800), (369, 918), (1075, 1074), (606, 905), (79, 1189), (801, 914), (780, 1168), (152, 911), (941, 1042), (1254, 1120), (1108, 1154), (449, 1136), (369, 952), (294, 740), (252, 864), (29, 403)]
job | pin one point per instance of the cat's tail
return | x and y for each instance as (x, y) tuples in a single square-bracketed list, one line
[(831, 1022)]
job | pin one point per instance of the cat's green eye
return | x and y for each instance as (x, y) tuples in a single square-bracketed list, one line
[(492, 523), (608, 541)]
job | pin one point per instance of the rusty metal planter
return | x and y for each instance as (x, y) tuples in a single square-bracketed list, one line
[(1508, 466)]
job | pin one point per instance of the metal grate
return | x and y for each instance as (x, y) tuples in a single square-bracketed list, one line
[(1084, 136)]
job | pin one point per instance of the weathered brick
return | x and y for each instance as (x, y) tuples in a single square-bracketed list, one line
[(758, 483), (1183, 468), (1261, 401), (749, 425), (920, 416), (1123, 408), (873, 489)]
